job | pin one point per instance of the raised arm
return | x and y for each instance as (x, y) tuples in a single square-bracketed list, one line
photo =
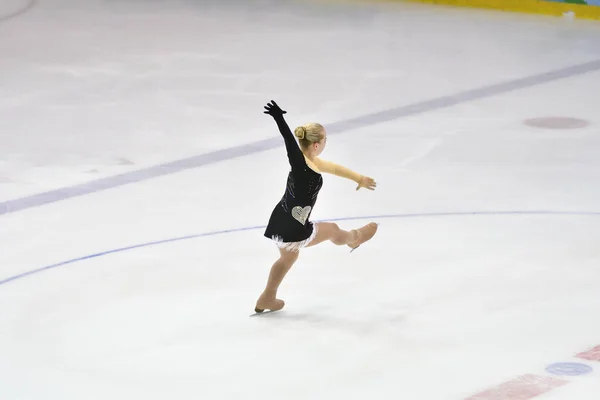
[(295, 155), (341, 171)]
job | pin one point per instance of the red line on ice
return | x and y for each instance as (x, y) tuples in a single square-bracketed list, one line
[(592, 354), (522, 388)]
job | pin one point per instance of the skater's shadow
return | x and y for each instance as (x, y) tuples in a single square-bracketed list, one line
[(358, 324)]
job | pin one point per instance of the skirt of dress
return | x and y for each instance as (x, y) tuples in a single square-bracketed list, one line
[(296, 246)]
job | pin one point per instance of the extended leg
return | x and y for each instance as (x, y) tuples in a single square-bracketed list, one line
[(332, 232)]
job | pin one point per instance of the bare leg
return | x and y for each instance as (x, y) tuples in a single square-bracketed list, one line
[(268, 299), (332, 232), (326, 231)]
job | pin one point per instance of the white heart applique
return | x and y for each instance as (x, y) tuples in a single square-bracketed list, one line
[(301, 214)]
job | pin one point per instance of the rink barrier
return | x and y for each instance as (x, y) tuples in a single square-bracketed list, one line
[(546, 7)]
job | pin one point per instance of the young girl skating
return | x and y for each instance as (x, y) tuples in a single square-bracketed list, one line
[(289, 225)]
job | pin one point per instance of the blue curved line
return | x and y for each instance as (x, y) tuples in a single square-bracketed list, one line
[(214, 233)]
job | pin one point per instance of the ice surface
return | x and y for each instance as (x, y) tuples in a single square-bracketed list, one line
[(485, 267)]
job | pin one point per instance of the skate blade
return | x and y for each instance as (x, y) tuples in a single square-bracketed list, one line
[(258, 313)]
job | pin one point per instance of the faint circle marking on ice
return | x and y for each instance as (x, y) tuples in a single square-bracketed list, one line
[(557, 123), (10, 9), (569, 368)]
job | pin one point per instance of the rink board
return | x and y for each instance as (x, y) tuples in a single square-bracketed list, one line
[(590, 9)]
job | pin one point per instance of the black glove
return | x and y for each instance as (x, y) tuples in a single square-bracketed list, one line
[(273, 110)]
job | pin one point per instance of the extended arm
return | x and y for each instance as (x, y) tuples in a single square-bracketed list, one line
[(335, 169), (295, 155), (341, 171)]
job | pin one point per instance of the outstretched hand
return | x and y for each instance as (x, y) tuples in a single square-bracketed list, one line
[(273, 109), (366, 182)]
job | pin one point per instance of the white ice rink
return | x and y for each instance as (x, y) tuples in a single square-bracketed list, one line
[(486, 267)]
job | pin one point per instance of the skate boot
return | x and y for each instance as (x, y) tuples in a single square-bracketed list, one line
[(268, 304), (363, 234)]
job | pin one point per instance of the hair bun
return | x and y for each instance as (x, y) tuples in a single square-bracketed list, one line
[(300, 132)]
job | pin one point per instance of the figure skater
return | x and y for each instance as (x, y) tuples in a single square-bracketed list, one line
[(289, 225)]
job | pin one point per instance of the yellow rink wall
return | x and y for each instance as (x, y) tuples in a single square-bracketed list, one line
[(588, 9)]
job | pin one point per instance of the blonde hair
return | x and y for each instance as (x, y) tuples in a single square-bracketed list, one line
[(311, 132)]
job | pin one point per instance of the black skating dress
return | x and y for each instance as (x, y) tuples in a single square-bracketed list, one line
[(289, 225)]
